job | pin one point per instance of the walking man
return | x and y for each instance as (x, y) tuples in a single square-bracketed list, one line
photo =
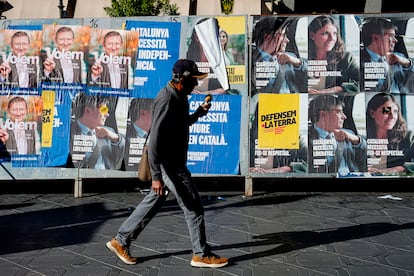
[(168, 145)]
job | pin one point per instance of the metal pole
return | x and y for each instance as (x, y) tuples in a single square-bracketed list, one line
[(61, 9), (193, 7)]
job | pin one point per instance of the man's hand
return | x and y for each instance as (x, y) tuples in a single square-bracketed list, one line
[(396, 59), (342, 136), (5, 70), (104, 133), (158, 187), (97, 69), (49, 64), (283, 58), (4, 136)]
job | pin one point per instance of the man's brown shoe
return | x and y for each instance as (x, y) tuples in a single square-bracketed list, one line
[(212, 261), (121, 251)]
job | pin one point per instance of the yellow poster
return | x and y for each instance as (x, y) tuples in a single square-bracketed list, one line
[(278, 121), (232, 40), (48, 98)]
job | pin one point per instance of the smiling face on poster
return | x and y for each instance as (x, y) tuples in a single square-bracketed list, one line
[(112, 58), (390, 136), (333, 68), (21, 125), (19, 59), (64, 54)]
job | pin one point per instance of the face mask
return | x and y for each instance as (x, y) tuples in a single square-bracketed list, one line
[(188, 85)]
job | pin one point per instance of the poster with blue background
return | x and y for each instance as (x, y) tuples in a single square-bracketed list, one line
[(158, 50), (56, 152), (214, 146)]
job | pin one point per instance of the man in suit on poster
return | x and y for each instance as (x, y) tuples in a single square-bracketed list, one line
[(111, 70), (138, 127), (22, 137), (18, 69), (61, 67), (379, 38), (269, 51), (288, 72), (332, 148), (92, 144)]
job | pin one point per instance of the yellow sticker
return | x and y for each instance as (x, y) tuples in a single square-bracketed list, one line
[(104, 109)]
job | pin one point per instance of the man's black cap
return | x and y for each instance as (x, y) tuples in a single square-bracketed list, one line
[(185, 68)]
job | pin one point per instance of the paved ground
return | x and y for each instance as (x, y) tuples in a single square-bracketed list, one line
[(274, 233)]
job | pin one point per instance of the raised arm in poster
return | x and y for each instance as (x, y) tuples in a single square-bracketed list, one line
[(20, 55), (112, 59), (138, 126), (64, 54), (275, 70), (390, 141), (205, 49), (332, 148), (331, 67), (383, 69), (92, 144), (158, 49), (21, 126)]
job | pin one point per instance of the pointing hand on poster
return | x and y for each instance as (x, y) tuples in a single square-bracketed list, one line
[(49, 64), (5, 70), (97, 69)]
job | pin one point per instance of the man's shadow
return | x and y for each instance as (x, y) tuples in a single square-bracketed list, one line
[(290, 241)]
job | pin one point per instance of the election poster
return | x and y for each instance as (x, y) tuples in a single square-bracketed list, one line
[(55, 127), (65, 56), (279, 118), (158, 50), (214, 144), (279, 138), (390, 149), (21, 127), (19, 60), (137, 130), (112, 58), (333, 54), (278, 61), (386, 53), (94, 144), (336, 148), (232, 37), (203, 47)]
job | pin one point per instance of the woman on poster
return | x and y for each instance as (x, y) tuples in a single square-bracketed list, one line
[(336, 70), (196, 52), (390, 143)]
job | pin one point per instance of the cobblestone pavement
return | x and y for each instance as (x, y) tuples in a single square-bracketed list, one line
[(285, 234)]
